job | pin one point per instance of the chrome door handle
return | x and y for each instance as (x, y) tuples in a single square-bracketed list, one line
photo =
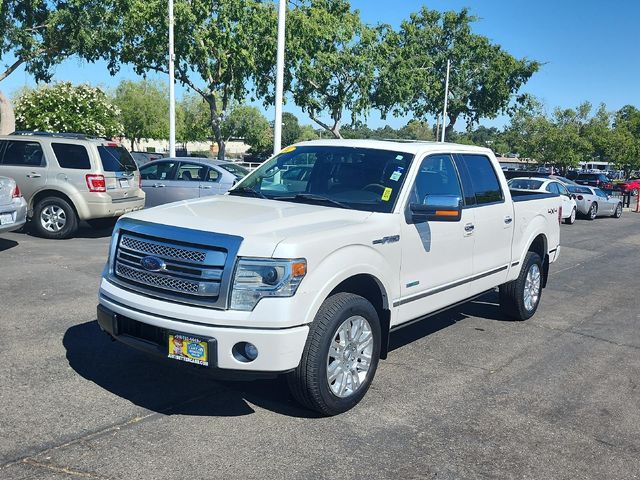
[(33, 175), (469, 227), (159, 185), (508, 220), (206, 187)]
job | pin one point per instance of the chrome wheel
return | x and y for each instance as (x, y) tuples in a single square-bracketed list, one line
[(618, 211), (349, 356), (593, 212), (53, 218), (532, 287)]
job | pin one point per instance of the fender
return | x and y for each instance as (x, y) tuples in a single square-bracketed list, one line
[(537, 226), (71, 193)]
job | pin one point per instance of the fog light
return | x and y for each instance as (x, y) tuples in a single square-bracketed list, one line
[(245, 352)]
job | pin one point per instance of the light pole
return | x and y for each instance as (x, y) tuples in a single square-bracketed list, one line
[(277, 126), (172, 93), (446, 99)]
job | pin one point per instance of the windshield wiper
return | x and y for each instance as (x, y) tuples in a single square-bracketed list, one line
[(312, 197), (242, 191)]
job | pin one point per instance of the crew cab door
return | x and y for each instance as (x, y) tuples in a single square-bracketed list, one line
[(436, 255), (493, 220)]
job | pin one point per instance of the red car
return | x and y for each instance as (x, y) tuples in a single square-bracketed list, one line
[(632, 186)]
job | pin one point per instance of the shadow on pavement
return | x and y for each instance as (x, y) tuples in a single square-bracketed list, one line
[(166, 386), (6, 244)]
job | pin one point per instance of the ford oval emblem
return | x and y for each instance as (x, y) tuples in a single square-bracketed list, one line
[(153, 264)]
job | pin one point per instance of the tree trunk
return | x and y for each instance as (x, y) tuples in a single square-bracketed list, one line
[(7, 118), (449, 128), (215, 126), (133, 146), (336, 130)]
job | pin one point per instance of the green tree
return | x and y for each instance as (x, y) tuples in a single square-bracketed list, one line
[(416, 130), (307, 133), (484, 80), (250, 124), (333, 59), (193, 119), (220, 46), (144, 110), (63, 107), (291, 130)]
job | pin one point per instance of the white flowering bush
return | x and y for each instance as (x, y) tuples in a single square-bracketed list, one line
[(64, 107)]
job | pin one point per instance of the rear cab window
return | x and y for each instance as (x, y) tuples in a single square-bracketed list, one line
[(116, 159), (481, 178), (71, 156), (525, 184)]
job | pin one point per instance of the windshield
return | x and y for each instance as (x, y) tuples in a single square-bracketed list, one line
[(351, 177), (575, 189), (116, 159), (525, 184), (236, 170)]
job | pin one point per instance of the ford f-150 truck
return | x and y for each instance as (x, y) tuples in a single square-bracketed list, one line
[(309, 263)]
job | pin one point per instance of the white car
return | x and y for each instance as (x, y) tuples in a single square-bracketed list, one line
[(569, 206), (306, 277), (13, 207), (593, 202)]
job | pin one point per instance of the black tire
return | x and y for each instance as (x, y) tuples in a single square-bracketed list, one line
[(70, 226), (593, 211), (618, 211), (512, 298), (103, 223), (571, 219), (308, 383)]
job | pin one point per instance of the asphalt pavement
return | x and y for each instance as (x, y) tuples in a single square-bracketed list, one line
[(466, 394)]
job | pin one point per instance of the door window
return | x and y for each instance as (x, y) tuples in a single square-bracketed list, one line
[(71, 156), (158, 171), (563, 190), (213, 175), (553, 188), (437, 176), (24, 154), (191, 172), (600, 193), (483, 178)]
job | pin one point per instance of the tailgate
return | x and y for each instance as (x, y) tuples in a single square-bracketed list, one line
[(6, 188), (120, 172)]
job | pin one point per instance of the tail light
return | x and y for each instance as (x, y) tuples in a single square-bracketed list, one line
[(560, 214), (96, 183), (15, 193), (580, 197)]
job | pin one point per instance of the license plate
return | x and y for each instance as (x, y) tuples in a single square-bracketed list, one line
[(6, 218), (124, 183), (188, 349)]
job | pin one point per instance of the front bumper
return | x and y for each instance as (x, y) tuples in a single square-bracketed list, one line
[(18, 210), (279, 350)]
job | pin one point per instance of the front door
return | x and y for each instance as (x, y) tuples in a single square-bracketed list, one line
[(25, 162), (436, 256), (155, 177)]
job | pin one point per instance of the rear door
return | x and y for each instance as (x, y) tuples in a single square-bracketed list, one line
[(493, 221), (155, 177), (120, 172), (186, 182), (212, 183), (25, 162)]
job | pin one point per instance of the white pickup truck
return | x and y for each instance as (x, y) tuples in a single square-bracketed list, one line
[(309, 263)]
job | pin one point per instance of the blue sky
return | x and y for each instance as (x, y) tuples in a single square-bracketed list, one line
[(590, 49)]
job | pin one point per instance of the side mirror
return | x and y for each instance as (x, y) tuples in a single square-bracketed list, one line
[(436, 208)]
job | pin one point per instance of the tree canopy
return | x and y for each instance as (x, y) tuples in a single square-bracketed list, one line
[(249, 123)]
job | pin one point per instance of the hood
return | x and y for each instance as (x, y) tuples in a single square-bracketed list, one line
[(262, 223)]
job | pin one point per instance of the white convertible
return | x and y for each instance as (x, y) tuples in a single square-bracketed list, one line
[(569, 206), (305, 267), (593, 202)]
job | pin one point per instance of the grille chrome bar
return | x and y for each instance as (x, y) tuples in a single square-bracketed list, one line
[(168, 282), (187, 254)]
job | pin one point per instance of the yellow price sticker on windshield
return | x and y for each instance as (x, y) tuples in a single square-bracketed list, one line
[(288, 149), (386, 195)]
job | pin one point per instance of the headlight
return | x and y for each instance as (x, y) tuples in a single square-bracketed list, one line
[(258, 278)]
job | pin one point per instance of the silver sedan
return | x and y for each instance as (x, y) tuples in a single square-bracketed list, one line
[(173, 179), (593, 202), (13, 207)]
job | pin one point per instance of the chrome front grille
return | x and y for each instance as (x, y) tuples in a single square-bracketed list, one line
[(190, 273)]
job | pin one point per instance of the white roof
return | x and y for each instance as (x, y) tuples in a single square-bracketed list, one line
[(399, 146)]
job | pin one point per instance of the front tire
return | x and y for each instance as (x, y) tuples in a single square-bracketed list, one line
[(572, 218), (593, 211), (54, 218), (340, 357), (519, 299), (618, 211)]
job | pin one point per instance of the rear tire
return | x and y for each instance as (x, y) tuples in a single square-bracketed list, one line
[(337, 368), (593, 211), (618, 211), (54, 218), (519, 299), (572, 218)]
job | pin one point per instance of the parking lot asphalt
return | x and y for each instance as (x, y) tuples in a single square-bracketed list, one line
[(465, 394)]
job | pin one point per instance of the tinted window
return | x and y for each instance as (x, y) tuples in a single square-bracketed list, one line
[(116, 159), (553, 188), (158, 171), (213, 175), (600, 193), (483, 178), (71, 156), (191, 172), (562, 189), (437, 176), (27, 154), (525, 184), (576, 189), (236, 170)]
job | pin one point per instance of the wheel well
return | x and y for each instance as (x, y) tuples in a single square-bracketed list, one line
[(539, 246), (50, 193), (369, 287)]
